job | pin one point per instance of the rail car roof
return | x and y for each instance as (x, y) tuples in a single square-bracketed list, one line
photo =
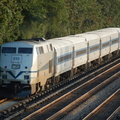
[(74, 39), (59, 42), (112, 29), (67, 40), (88, 37), (102, 33)]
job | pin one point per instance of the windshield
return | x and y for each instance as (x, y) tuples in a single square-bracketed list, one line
[(8, 50), (25, 50)]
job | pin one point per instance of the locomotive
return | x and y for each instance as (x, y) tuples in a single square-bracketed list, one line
[(38, 64)]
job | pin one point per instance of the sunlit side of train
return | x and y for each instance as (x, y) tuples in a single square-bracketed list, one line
[(40, 64)]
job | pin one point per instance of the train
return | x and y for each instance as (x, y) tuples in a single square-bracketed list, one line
[(38, 64)]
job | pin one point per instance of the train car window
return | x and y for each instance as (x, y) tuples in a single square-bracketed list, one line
[(114, 41), (94, 48), (105, 44), (64, 58), (8, 50), (25, 50), (81, 52)]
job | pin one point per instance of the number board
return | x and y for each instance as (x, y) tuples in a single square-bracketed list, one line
[(16, 59)]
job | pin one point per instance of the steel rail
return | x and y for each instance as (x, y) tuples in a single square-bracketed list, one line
[(3, 100), (83, 97), (75, 103), (89, 116), (115, 114)]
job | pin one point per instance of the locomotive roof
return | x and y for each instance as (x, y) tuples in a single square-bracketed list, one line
[(25, 42)]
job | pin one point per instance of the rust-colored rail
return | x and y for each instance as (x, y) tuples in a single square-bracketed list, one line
[(60, 113), (3, 100), (96, 113)]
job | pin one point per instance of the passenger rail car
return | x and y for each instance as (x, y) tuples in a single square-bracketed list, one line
[(38, 64)]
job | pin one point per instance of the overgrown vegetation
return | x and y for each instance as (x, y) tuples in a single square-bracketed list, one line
[(24, 19)]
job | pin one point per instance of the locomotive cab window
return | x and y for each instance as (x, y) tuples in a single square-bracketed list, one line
[(25, 50), (40, 50), (8, 50), (49, 48)]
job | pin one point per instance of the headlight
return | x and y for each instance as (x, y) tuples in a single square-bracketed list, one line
[(26, 77), (15, 66), (4, 76)]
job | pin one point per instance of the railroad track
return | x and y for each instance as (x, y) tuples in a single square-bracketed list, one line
[(115, 115), (3, 100), (57, 109), (81, 89), (8, 103), (109, 105)]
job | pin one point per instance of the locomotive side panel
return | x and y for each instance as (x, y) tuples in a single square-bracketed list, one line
[(117, 30), (114, 42), (42, 66), (63, 59), (80, 54), (94, 49), (105, 46), (104, 41)]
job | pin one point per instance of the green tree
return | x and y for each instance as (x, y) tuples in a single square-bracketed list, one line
[(110, 12), (84, 15), (34, 14), (43, 18), (57, 18), (54, 18), (10, 18)]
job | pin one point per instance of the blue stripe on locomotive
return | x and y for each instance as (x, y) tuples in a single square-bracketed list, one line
[(21, 72)]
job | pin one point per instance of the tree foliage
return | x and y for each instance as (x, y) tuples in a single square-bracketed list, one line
[(10, 20), (23, 19)]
